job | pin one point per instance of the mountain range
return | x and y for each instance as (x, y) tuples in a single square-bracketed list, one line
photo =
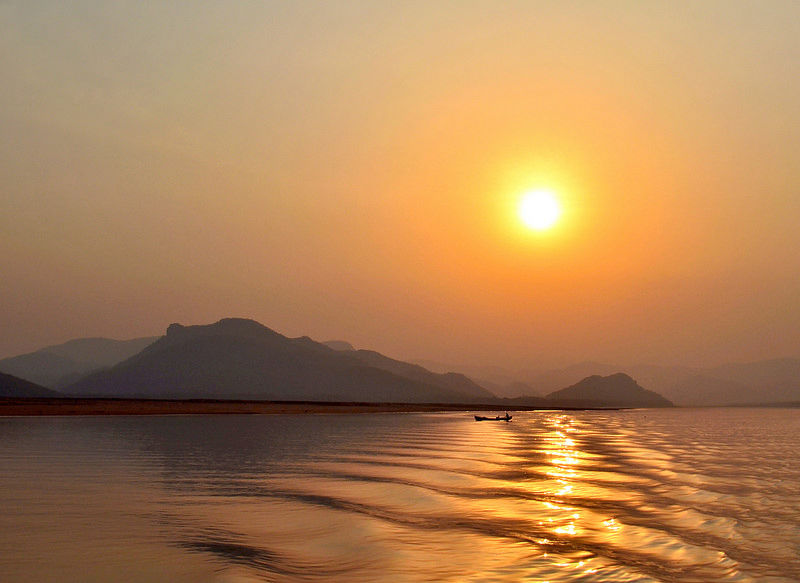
[(242, 359), (239, 358)]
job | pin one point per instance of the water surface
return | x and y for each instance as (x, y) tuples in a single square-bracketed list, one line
[(646, 495)]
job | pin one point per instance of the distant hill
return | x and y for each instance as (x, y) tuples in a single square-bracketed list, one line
[(702, 391), (553, 380), (616, 390), (59, 365), (11, 386), (239, 358), (663, 379), (766, 381), (43, 368)]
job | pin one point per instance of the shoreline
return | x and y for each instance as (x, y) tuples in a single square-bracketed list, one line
[(38, 407)]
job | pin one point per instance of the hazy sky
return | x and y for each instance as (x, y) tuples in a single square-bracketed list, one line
[(351, 170)]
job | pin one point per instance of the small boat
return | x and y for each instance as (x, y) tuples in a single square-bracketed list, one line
[(505, 417)]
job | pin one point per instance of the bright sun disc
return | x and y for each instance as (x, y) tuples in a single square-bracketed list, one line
[(539, 209)]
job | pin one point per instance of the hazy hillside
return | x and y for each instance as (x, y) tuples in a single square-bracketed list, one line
[(100, 351), (616, 390), (43, 368), (768, 381), (238, 358), (450, 380), (56, 366), (11, 386), (494, 378)]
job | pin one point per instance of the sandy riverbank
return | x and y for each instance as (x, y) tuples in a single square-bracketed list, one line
[(85, 406)]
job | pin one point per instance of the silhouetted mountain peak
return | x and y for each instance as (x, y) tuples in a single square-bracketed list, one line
[(228, 325), (175, 329), (241, 327), (615, 390)]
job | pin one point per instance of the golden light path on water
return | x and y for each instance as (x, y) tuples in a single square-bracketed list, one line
[(550, 497)]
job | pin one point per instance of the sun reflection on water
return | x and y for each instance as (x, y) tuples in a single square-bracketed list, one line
[(573, 529)]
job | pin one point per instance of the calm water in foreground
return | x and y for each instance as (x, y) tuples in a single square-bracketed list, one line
[(647, 495)]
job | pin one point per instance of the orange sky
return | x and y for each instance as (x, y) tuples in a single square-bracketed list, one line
[(350, 170)]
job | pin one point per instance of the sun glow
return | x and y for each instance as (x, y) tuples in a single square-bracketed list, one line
[(539, 209)]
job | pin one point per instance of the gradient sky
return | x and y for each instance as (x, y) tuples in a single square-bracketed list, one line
[(350, 170)]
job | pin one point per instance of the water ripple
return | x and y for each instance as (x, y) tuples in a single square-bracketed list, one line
[(685, 496)]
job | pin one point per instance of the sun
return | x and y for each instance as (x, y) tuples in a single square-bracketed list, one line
[(539, 209)]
